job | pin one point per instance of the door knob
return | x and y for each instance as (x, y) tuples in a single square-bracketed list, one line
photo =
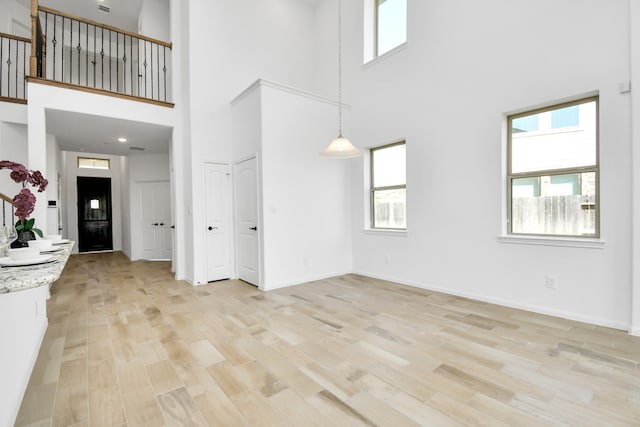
[(253, 228), (173, 226), (156, 224), (162, 223), (212, 228)]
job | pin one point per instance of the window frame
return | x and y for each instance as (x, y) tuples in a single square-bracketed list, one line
[(79, 158), (554, 172), (372, 189), (376, 33)]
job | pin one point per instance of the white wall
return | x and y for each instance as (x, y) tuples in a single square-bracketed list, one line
[(51, 193), (635, 151), (154, 19), (305, 199), (232, 44), (465, 66), (72, 172), (15, 18), (13, 147), (125, 189)]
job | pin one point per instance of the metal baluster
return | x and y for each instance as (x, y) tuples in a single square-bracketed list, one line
[(102, 58), (124, 64), (110, 64), (79, 51), (9, 70), (117, 66), (24, 68), (62, 49), (131, 63), (46, 37), (54, 42), (164, 70), (152, 72), (71, 51), (94, 62), (145, 68), (86, 56), (139, 75)]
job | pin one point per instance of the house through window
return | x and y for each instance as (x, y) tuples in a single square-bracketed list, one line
[(388, 187), (553, 170)]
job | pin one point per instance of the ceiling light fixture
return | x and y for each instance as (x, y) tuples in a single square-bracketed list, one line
[(122, 139), (341, 147)]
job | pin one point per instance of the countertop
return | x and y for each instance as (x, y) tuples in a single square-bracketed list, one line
[(14, 279)]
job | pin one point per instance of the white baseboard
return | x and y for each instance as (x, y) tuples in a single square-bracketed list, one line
[(635, 331), (303, 280), (508, 303)]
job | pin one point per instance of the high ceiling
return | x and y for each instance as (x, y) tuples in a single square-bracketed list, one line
[(124, 13), (93, 134)]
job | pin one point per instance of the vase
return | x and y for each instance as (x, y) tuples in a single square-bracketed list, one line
[(23, 239)]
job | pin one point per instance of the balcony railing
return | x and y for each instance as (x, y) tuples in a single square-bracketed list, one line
[(7, 210), (14, 66), (87, 54)]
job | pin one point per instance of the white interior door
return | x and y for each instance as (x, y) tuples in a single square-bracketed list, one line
[(218, 222), (155, 220), (247, 221)]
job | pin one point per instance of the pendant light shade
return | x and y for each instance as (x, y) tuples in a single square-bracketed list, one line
[(341, 147)]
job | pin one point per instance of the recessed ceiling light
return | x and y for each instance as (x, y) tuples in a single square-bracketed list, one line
[(121, 139)]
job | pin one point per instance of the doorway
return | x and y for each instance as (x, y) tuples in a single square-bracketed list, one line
[(94, 214), (218, 222), (154, 222), (247, 221)]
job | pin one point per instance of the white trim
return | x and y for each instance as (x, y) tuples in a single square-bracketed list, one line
[(635, 331), (305, 281), (509, 303), (384, 56), (385, 232), (554, 241), (285, 88)]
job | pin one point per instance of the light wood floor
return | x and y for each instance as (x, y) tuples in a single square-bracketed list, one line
[(129, 346)]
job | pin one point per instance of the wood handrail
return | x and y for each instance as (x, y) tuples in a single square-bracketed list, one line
[(106, 27), (97, 91), (6, 198), (10, 36)]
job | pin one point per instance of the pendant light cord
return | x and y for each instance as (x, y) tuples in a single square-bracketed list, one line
[(340, 68)]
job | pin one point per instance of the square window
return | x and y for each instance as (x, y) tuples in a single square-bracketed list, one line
[(388, 187), (553, 174)]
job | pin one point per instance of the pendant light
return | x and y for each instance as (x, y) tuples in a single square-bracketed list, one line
[(341, 147)]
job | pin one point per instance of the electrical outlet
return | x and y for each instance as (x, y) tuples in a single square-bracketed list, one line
[(552, 282)]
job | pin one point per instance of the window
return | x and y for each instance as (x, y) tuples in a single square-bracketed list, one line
[(391, 24), (553, 170), (88, 163), (388, 187), (385, 26)]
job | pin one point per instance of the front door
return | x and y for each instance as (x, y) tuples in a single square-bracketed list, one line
[(155, 220), (94, 214), (247, 221), (217, 221)]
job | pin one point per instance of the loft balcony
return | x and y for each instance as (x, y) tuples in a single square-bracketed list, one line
[(77, 53)]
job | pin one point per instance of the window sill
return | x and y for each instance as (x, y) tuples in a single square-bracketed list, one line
[(568, 242), (384, 56), (385, 232)]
